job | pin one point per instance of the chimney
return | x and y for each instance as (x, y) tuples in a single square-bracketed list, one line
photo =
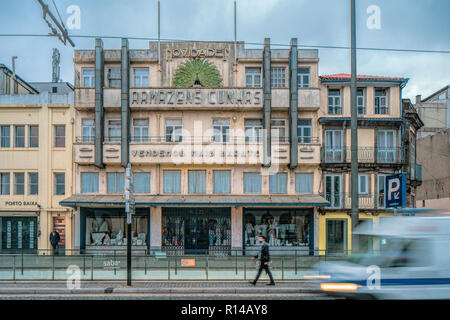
[(418, 99)]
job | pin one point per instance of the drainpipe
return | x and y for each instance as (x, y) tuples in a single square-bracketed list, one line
[(125, 110), (99, 111), (293, 105), (267, 143)]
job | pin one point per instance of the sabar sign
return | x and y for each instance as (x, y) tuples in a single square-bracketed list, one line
[(203, 97), (197, 53)]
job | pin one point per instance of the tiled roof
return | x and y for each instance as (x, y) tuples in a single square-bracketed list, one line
[(346, 76)]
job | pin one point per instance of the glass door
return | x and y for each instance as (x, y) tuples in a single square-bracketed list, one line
[(333, 146), (386, 146), (336, 235), (333, 190), (18, 234)]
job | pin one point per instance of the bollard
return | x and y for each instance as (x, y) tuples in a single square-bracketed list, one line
[(295, 262), (168, 268), (236, 264), (53, 267), (145, 266), (92, 267), (84, 265), (114, 262), (14, 267), (206, 268), (22, 260), (245, 269), (282, 269)]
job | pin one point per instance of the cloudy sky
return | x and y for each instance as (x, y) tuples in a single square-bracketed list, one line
[(404, 24)]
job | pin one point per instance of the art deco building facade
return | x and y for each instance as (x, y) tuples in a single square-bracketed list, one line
[(35, 164), (223, 141)]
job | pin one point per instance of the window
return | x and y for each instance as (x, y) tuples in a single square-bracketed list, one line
[(33, 137), (60, 183), (222, 181), (89, 182), (140, 130), (109, 228), (252, 182), (88, 78), (304, 183), (363, 184), (412, 157), (60, 136), (333, 146), (278, 183), (278, 128), (5, 132), (141, 182), (278, 77), (4, 183), (115, 182), (19, 183), (360, 101), (334, 101), (221, 129), (197, 181), (304, 129), (174, 130), (141, 77), (380, 191), (333, 190), (253, 77), (386, 146), (281, 227), (88, 130), (172, 181), (54, 89), (253, 130), (114, 77), (19, 136), (33, 183), (303, 77), (380, 102), (114, 130)]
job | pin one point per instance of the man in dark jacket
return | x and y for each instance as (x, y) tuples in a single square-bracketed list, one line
[(54, 240), (264, 258)]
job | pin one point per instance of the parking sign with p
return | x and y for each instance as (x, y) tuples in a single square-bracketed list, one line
[(396, 190)]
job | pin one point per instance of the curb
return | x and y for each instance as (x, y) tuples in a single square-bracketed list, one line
[(125, 290)]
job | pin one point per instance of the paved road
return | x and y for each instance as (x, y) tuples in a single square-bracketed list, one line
[(151, 290), (192, 296)]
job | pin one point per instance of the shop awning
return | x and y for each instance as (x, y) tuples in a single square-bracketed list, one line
[(79, 200)]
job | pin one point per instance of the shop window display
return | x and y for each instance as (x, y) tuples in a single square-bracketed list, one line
[(106, 230), (280, 227), (196, 229)]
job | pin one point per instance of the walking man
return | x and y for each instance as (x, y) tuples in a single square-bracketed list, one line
[(54, 240), (264, 261)]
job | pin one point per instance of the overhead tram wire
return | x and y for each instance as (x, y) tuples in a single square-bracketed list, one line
[(312, 46)]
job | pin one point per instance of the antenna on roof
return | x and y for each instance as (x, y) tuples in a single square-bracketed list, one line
[(55, 65)]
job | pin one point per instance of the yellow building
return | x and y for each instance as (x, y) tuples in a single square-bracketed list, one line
[(385, 135), (36, 133), (223, 142)]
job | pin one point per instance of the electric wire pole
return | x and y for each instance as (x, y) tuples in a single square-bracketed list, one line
[(354, 129), (129, 209)]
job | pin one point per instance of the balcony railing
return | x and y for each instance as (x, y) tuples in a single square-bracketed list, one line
[(365, 155), (344, 200), (416, 172)]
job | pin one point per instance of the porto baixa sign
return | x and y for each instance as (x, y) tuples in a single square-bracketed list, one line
[(20, 203), (196, 97)]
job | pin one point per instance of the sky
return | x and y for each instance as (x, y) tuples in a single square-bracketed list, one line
[(403, 24)]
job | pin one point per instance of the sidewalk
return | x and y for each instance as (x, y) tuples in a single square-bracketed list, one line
[(154, 287)]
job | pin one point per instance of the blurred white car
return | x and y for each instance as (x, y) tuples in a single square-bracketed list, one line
[(411, 261)]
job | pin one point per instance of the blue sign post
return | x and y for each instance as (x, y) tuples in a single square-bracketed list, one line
[(396, 190)]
